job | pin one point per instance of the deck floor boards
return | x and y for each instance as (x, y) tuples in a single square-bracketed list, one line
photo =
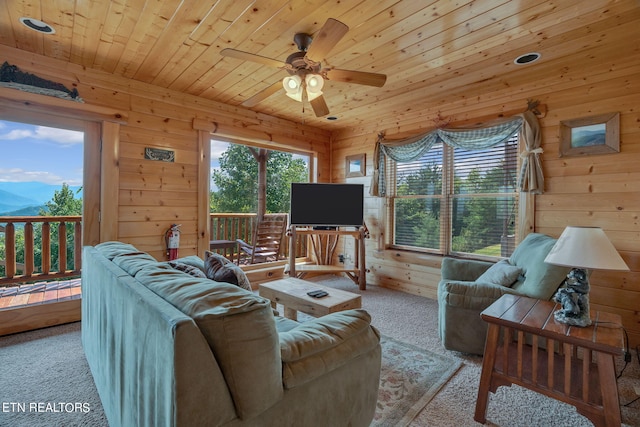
[(39, 293)]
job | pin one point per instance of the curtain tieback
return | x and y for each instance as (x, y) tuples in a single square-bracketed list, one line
[(526, 153)]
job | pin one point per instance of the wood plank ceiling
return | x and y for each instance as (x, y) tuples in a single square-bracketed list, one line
[(431, 51)]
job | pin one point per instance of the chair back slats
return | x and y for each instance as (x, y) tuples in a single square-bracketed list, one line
[(267, 239)]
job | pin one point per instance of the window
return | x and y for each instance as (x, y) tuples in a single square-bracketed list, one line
[(235, 173), (41, 174), (457, 201)]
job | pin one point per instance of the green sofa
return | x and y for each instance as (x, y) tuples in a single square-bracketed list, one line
[(166, 348), (463, 294)]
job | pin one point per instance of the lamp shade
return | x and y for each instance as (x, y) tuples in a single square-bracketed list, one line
[(585, 247)]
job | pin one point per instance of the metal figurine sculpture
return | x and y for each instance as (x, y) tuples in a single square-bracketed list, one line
[(574, 298), (11, 76)]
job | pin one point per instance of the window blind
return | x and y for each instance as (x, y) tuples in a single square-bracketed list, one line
[(453, 200)]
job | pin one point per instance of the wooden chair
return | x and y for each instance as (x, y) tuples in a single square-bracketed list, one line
[(266, 241)]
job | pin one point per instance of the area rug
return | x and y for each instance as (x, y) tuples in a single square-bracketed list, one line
[(409, 379)]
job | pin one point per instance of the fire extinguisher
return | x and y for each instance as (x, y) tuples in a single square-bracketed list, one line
[(172, 239)]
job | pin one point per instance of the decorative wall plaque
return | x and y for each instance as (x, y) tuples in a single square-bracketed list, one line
[(159, 154)]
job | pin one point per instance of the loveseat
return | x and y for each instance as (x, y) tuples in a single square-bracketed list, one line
[(166, 348), (468, 286)]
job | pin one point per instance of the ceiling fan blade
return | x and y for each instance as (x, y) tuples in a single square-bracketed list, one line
[(246, 56), (319, 106), (263, 94), (331, 33), (357, 77)]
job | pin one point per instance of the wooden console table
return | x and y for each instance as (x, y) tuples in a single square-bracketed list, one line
[(324, 244), (528, 347)]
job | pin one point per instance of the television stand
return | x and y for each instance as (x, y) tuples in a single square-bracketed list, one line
[(324, 244)]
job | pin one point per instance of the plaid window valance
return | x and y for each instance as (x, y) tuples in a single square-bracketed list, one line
[(409, 149)]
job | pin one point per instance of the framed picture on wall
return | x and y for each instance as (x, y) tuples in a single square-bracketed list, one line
[(590, 135), (355, 165)]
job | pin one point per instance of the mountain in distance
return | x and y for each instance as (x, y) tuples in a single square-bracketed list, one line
[(587, 138), (13, 201), (16, 196), (28, 211)]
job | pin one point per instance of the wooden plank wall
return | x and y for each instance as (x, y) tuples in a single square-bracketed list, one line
[(596, 190), (601, 190), (152, 195)]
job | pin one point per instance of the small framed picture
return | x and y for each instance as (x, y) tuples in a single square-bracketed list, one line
[(590, 135), (355, 165)]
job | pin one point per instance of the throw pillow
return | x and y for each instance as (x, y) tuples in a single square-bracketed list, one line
[(189, 269), (501, 273), (220, 269)]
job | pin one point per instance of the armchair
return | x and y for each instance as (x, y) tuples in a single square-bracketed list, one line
[(465, 291)]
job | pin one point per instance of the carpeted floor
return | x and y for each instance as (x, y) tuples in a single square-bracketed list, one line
[(413, 319), (405, 318), (45, 380)]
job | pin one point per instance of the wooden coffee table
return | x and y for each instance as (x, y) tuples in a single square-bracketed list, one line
[(527, 346), (292, 294)]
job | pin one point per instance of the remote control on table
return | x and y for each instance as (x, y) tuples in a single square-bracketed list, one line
[(318, 293)]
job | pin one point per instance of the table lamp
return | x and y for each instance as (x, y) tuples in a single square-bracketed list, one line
[(583, 249)]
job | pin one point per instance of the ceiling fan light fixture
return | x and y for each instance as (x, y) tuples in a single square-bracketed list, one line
[(295, 95), (314, 84), (292, 83), (313, 95), (293, 87)]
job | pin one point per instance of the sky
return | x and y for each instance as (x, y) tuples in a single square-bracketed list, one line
[(52, 156), (217, 148), (38, 153)]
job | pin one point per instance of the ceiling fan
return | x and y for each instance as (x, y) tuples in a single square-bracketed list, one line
[(306, 75)]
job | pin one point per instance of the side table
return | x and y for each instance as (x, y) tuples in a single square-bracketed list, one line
[(224, 244), (528, 347)]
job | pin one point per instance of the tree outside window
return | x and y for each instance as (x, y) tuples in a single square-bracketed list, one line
[(456, 201), (235, 181)]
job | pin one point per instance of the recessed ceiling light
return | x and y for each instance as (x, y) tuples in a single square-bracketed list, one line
[(332, 118), (37, 25), (527, 58)]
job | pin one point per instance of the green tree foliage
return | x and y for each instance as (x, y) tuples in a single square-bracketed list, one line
[(237, 181), (477, 222), (481, 222), (63, 203), (419, 218)]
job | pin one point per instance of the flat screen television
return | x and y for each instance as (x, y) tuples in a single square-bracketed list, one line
[(327, 205)]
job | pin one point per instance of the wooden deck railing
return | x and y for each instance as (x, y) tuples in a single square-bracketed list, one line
[(26, 253), (233, 226), (26, 244)]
